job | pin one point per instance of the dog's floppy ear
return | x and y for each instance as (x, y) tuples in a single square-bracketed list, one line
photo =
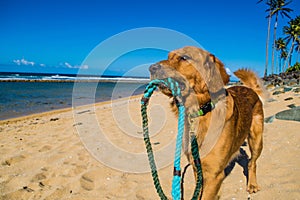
[(220, 66)]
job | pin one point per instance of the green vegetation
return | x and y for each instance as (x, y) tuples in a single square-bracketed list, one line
[(296, 67), (288, 44)]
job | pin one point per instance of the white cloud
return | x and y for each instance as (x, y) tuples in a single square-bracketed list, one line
[(65, 64), (23, 62), (68, 65)]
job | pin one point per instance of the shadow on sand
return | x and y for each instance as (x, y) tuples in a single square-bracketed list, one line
[(242, 160)]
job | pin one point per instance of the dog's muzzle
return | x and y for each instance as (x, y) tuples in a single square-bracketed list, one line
[(159, 71), (154, 68)]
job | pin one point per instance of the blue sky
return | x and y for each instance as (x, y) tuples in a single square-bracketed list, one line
[(57, 36)]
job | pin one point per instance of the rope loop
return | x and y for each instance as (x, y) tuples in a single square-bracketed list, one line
[(176, 186)]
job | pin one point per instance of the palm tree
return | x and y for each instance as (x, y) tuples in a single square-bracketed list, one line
[(293, 33), (277, 7), (297, 49), (269, 16), (281, 47), (283, 57)]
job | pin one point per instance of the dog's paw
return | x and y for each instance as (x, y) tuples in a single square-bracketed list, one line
[(253, 188)]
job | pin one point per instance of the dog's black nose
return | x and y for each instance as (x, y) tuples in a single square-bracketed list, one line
[(153, 68)]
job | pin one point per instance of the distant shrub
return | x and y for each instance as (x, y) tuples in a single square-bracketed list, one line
[(296, 67)]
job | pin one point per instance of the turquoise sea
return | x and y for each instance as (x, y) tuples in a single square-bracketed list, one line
[(24, 94)]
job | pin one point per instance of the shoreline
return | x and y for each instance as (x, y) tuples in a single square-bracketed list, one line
[(75, 81), (68, 109), (268, 86), (25, 98)]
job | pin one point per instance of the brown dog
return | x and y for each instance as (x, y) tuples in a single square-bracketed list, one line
[(236, 112)]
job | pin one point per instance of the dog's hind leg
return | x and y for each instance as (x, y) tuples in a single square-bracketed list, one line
[(255, 141)]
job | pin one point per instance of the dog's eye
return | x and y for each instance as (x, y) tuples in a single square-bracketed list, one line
[(185, 57)]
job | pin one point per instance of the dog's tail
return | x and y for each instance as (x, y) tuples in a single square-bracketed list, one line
[(251, 80)]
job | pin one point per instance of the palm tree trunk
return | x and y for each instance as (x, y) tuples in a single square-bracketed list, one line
[(292, 50), (267, 45), (277, 63), (279, 71), (289, 56), (273, 46)]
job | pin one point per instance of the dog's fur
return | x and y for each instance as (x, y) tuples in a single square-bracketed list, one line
[(220, 133)]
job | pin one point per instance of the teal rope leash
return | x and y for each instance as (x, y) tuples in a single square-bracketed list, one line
[(176, 189), (197, 162), (199, 181), (177, 171), (148, 92)]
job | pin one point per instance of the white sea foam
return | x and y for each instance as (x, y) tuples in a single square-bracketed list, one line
[(57, 77)]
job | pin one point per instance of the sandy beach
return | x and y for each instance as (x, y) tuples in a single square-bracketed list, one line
[(97, 152)]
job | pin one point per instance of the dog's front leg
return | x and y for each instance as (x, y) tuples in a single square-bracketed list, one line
[(211, 181), (211, 185)]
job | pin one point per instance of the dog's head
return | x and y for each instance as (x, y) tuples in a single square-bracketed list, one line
[(194, 68)]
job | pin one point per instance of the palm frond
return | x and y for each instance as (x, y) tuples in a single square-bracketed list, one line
[(285, 14)]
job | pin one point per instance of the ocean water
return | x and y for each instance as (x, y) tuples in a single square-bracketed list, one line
[(20, 97)]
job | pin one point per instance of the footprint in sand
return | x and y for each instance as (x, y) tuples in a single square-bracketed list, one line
[(45, 148), (38, 177), (13, 160), (87, 181)]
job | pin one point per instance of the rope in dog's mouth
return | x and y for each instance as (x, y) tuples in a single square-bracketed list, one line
[(174, 87)]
